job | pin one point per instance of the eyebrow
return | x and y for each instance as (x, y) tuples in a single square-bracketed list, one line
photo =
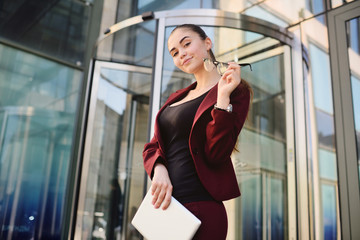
[(179, 42)]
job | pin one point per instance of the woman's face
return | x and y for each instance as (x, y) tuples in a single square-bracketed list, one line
[(188, 50)]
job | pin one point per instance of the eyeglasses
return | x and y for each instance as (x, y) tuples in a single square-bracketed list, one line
[(220, 66)]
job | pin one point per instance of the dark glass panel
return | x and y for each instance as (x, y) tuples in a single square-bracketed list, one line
[(325, 129), (55, 27)]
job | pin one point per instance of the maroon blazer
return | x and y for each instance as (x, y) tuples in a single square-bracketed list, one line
[(212, 139)]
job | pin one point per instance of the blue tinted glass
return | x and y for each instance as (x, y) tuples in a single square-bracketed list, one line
[(38, 103), (277, 208), (320, 72), (355, 88), (210, 4), (328, 195), (354, 35), (315, 6), (251, 207), (318, 6), (327, 165), (158, 5)]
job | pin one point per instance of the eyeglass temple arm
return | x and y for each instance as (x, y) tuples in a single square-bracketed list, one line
[(245, 64)]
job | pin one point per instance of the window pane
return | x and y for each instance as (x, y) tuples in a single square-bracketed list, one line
[(327, 162), (38, 104), (353, 31), (56, 28), (353, 27), (337, 3), (321, 149), (325, 128), (115, 179), (132, 45), (251, 204), (320, 72), (328, 194), (160, 5)]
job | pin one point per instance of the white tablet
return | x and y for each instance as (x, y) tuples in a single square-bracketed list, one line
[(175, 223)]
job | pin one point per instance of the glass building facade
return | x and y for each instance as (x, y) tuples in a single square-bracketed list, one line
[(81, 82)]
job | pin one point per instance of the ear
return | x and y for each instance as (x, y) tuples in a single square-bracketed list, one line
[(208, 43)]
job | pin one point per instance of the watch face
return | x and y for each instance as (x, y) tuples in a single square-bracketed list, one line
[(229, 108)]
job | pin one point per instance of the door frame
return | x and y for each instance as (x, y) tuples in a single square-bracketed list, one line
[(80, 211), (296, 139), (217, 18), (348, 172)]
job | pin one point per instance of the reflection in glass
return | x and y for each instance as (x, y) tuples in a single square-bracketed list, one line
[(325, 128), (262, 151), (56, 28), (315, 6), (328, 167), (337, 3), (38, 103), (328, 193), (160, 5), (353, 31), (322, 161), (132, 45), (260, 164), (115, 182), (320, 72)]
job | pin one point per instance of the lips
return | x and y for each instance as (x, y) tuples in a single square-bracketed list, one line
[(186, 61)]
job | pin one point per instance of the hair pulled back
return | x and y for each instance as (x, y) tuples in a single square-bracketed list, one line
[(203, 36)]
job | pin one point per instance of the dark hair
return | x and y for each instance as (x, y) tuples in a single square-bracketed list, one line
[(203, 36), (199, 31)]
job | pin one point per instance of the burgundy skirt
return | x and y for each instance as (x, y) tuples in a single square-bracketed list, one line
[(213, 219)]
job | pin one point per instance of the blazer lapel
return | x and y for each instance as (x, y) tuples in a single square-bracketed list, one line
[(208, 102)]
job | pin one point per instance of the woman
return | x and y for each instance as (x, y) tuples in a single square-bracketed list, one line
[(195, 133)]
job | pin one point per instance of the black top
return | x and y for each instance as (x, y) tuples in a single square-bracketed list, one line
[(175, 124)]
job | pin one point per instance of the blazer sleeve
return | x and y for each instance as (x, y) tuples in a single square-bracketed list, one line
[(151, 155), (224, 128)]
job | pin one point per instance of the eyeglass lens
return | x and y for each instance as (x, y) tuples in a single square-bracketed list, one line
[(208, 65), (220, 66)]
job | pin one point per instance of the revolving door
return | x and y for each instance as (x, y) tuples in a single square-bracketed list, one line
[(133, 74)]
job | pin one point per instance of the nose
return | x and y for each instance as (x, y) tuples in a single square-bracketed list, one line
[(182, 53)]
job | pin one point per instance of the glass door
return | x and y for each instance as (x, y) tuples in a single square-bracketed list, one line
[(264, 163), (114, 178)]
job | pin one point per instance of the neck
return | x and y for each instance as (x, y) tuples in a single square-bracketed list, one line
[(205, 80)]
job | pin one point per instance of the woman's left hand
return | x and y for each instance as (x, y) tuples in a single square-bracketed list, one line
[(229, 80)]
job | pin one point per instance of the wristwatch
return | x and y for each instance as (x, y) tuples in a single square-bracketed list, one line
[(228, 109)]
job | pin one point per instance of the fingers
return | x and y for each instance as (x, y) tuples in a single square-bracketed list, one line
[(161, 195), (232, 75), (161, 187), (167, 199)]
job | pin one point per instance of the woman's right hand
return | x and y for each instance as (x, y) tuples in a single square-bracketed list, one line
[(161, 187)]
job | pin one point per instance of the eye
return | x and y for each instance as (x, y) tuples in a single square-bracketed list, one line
[(187, 44), (174, 54)]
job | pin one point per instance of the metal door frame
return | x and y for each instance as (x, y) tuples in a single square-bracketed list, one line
[(349, 189), (296, 138), (89, 133)]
